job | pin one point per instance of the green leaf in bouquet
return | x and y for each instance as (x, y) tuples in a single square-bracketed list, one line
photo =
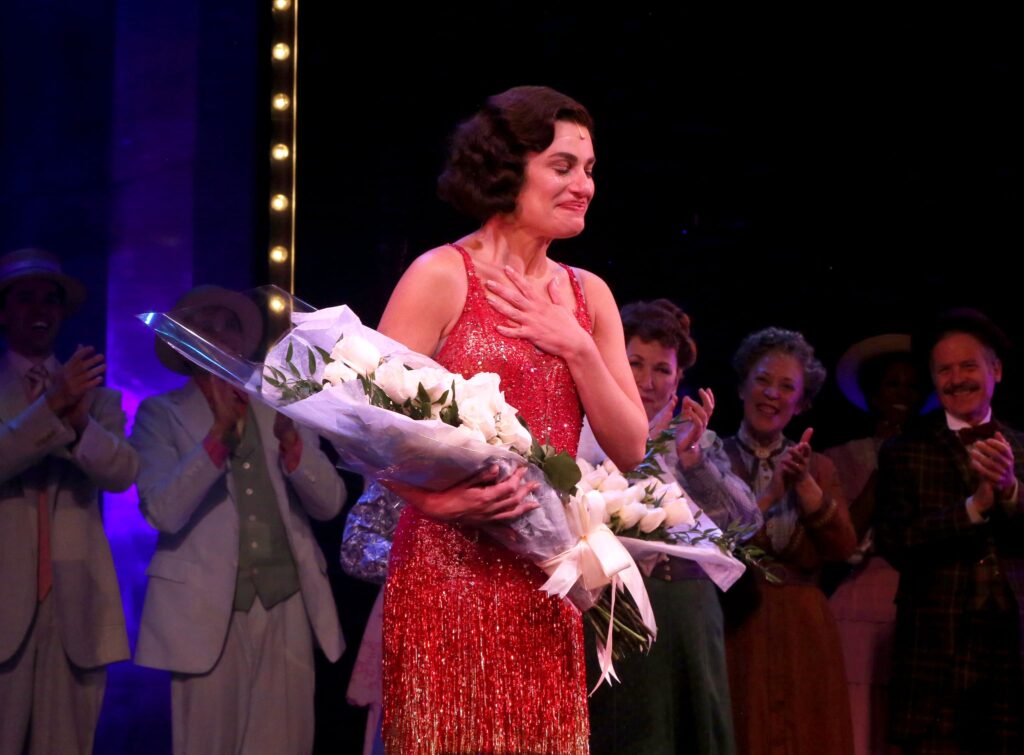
[(272, 380), (290, 353), (561, 471), (378, 397), (414, 409), (311, 361), (536, 454), (324, 354), (442, 399), (422, 396), (658, 446), (450, 414), (367, 388)]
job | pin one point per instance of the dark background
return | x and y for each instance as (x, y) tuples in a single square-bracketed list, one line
[(844, 175), (841, 173)]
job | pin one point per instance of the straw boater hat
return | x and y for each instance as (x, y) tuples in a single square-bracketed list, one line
[(850, 363), (212, 296), (29, 264)]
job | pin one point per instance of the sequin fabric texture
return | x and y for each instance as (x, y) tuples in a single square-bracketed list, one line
[(369, 530), (476, 658)]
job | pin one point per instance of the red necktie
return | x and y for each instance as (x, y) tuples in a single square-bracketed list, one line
[(37, 380)]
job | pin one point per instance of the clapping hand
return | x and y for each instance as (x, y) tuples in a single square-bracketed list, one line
[(795, 460), (793, 473), (288, 438), (992, 459), (72, 383), (697, 417), (228, 404)]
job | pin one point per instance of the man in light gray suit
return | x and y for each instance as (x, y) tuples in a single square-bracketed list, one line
[(61, 442), (237, 586)]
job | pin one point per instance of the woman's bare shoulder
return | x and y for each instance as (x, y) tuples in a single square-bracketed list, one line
[(427, 300)]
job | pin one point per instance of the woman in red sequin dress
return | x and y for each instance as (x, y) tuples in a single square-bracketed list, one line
[(476, 658)]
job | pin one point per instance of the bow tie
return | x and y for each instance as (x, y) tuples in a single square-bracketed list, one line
[(984, 431)]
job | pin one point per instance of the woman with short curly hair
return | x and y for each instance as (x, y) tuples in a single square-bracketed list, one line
[(675, 698), (476, 657), (785, 663)]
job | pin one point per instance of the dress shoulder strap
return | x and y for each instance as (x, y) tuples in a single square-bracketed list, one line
[(582, 313)]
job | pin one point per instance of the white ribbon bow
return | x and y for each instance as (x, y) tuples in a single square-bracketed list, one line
[(598, 559)]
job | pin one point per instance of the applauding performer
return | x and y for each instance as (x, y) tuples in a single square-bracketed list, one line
[(61, 442), (952, 523)]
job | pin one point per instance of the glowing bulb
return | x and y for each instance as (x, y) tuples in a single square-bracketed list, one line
[(281, 101), (279, 254), (279, 203), (282, 4), (280, 152), (277, 304), (281, 51)]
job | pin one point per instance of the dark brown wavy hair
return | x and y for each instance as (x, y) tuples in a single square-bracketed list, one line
[(662, 321), (487, 155)]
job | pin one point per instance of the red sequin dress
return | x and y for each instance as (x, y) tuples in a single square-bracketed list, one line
[(476, 658)]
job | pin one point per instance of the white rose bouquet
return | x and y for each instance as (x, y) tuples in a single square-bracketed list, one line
[(392, 413), (655, 519)]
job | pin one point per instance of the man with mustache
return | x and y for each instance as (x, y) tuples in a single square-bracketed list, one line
[(952, 522)]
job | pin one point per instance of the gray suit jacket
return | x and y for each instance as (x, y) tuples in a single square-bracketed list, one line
[(190, 501), (87, 599)]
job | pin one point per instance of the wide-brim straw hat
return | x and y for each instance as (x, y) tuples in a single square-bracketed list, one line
[(850, 363), (245, 310), (38, 264)]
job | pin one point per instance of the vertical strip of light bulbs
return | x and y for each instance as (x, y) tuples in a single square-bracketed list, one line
[(283, 91)]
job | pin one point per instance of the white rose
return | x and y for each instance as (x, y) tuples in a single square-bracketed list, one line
[(585, 466), (435, 382), (595, 477), (337, 373), (673, 491), (678, 512), (512, 433), (650, 487), (594, 501), (358, 353), (476, 413), (614, 482), (631, 513), (483, 388), (634, 494), (609, 466), (614, 500), (396, 381), (471, 432), (652, 519)]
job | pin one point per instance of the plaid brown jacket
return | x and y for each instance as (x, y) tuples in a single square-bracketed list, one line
[(952, 571)]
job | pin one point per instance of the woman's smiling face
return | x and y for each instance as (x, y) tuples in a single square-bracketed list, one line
[(772, 394)]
